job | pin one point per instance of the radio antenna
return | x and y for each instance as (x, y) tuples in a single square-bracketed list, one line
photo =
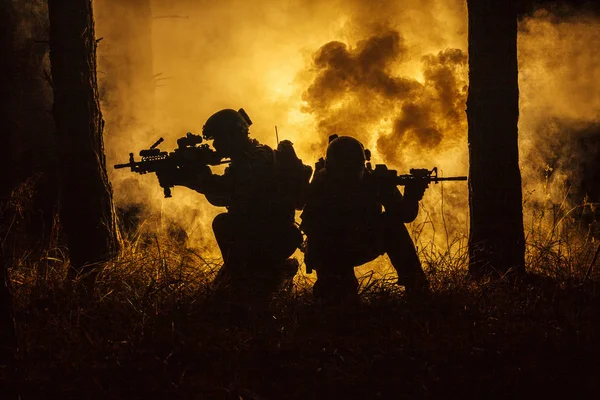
[(276, 135)]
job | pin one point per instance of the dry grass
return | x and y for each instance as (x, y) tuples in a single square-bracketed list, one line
[(150, 328)]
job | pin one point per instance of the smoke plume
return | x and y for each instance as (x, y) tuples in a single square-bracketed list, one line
[(356, 92), (560, 103), (167, 66), (393, 74)]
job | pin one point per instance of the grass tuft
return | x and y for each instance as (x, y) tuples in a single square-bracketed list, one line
[(151, 328)]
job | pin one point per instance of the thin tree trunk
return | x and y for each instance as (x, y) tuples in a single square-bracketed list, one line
[(7, 106), (7, 321), (86, 209), (7, 331), (496, 242), (29, 135)]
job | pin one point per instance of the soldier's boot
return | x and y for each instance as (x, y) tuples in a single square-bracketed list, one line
[(231, 283), (259, 280), (415, 285), (274, 277), (336, 288)]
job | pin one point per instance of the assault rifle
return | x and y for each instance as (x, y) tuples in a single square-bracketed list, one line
[(391, 177), (190, 153), (387, 176)]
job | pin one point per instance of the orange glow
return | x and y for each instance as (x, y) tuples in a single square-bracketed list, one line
[(264, 56)]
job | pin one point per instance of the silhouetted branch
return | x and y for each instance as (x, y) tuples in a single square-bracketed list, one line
[(593, 263)]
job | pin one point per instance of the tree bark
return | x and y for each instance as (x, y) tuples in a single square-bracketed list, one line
[(7, 321), (496, 241), (7, 331), (6, 80), (86, 208)]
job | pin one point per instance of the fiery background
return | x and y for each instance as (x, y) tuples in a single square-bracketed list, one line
[(393, 74)]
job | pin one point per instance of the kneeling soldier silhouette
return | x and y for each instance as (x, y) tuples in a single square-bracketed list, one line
[(351, 218), (261, 190)]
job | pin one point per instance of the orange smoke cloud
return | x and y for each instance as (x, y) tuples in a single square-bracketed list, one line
[(259, 55), (356, 92), (560, 102), (393, 74)]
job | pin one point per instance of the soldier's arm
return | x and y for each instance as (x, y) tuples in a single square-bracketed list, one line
[(216, 188)]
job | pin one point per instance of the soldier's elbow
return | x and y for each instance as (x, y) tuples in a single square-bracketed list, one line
[(407, 215), (217, 201), (410, 218)]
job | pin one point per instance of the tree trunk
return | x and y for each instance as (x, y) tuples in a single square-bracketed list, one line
[(28, 132), (6, 82), (7, 331), (496, 242), (86, 208), (7, 322)]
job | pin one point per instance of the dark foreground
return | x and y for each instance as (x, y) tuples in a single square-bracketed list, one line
[(468, 340)]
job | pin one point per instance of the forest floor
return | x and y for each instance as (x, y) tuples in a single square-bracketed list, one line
[(151, 329)]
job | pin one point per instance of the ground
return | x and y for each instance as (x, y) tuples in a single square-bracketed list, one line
[(151, 329)]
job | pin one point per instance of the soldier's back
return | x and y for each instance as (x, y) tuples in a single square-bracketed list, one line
[(334, 207), (254, 188)]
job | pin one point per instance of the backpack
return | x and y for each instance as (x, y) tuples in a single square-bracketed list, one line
[(292, 176)]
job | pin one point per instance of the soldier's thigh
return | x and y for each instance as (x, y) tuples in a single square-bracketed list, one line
[(354, 251)]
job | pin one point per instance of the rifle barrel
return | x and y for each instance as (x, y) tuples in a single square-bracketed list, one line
[(118, 166), (451, 178), (402, 180)]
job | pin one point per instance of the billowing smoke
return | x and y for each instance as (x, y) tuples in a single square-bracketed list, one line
[(357, 93), (576, 152), (560, 103), (258, 55), (361, 91), (435, 112), (354, 86), (393, 74)]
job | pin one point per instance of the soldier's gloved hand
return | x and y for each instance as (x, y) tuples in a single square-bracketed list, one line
[(388, 194), (415, 190)]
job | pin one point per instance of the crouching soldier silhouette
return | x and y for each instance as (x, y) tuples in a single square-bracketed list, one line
[(261, 189), (346, 225)]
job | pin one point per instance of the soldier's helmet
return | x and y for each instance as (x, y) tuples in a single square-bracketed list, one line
[(345, 156), (226, 122)]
